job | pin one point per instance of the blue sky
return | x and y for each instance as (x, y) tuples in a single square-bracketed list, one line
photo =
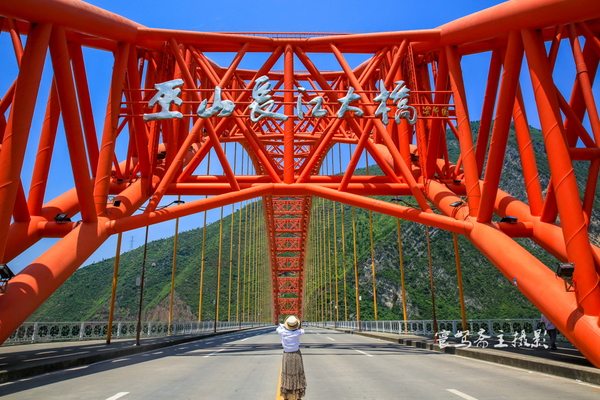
[(274, 16)]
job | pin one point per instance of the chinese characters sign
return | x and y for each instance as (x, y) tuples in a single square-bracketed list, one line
[(519, 339), (263, 104)]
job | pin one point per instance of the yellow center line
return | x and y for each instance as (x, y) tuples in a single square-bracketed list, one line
[(278, 396)]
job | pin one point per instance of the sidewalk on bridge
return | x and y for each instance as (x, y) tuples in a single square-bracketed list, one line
[(566, 362), (20, 361)]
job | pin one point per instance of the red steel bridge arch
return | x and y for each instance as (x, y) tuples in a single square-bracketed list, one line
[(287, 155)]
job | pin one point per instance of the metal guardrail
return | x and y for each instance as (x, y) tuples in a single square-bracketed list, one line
[(36, 332), (493, 327)]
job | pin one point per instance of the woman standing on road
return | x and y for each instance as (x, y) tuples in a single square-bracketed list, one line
[(293, 381)]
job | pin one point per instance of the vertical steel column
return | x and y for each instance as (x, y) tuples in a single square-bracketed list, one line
[(85, 106), (65, 88), (487, 111), (288, 135), (506, 103), (41, 169), (565, 184), (111, 126), (464, 131), (585, 83), (19, 122), (437, 132), (530, 171)]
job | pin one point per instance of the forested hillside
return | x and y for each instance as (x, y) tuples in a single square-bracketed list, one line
[(86, 294)]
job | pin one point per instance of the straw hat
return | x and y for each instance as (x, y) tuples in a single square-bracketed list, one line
[(291, 323)]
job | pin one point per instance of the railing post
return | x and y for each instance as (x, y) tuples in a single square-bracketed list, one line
[(119, 330), (33, 335), (81, 331)]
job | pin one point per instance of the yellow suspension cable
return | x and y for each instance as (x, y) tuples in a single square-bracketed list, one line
[(262, 262), (431, 279), (320, 266), (259, 276), (250, 242), (203, 248), (231, 239), (237, 296), (356, 271), (251, 261), (245, 245), (343, 244), (327, 287), (328, 252), (259, 268), (372, 250), (460, 285), (329, 261), (173, 271), (355, 260), (251, 227), (314, 265), (114, 289), (402, 273), (219, 263), (219, 267), (257, 259), (337, 303), (255, 280)]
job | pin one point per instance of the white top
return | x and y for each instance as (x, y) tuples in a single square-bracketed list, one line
[(549, 325), (290, 339)]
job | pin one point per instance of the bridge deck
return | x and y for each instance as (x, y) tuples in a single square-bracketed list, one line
[(246, 365)]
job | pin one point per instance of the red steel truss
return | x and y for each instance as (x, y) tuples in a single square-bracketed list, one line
[(163, 155), (288, 228)]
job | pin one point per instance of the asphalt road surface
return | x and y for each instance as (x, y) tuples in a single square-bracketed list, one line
[(246, 365)]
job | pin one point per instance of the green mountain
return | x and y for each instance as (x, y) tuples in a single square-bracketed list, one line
[(85, 295)]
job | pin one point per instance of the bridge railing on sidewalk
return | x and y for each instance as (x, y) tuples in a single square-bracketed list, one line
[(493, 327), (34, 332)]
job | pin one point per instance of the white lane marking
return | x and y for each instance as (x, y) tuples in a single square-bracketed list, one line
[(330, 338), (118, 396), (46, 352), (587, 384), (243, 340), (461, 394), (77, 368), (212, 354), (362, 352), (119, 360)]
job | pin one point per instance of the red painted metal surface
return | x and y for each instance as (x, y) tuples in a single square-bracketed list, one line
[(287, 155)]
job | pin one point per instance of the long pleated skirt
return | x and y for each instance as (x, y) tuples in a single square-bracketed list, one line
[(293, 380)]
